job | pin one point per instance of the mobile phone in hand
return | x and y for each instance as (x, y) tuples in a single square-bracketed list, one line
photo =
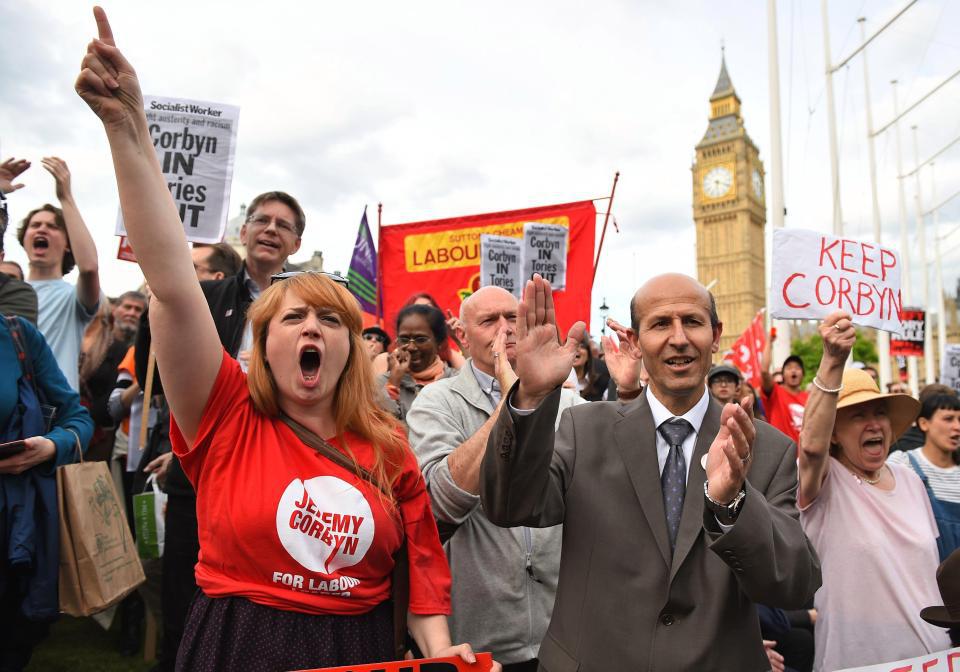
[(12, 448)]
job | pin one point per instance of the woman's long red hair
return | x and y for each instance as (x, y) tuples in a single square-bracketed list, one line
[(355, 399)]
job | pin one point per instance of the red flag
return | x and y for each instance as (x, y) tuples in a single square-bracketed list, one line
[(747, 350)]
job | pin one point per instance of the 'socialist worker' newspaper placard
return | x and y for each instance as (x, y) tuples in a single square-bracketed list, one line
[(501, 262), (545, 252), (196, 143), (815, 274), (950, 369)]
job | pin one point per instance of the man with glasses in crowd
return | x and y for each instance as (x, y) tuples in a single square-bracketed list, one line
[(724, 383)]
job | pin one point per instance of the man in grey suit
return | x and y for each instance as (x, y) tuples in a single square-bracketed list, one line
[(678, 514)]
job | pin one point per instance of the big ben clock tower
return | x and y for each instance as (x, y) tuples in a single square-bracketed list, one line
[(729, 212)]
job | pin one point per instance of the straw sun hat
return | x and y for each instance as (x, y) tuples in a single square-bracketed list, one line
[(860, 388)]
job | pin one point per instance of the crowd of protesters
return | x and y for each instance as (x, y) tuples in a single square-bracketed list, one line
[(473, 482)]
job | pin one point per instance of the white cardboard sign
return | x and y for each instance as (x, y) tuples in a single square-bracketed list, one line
[(196, 143), (815, 274), (501, 263), (950, 369), (545, 252)]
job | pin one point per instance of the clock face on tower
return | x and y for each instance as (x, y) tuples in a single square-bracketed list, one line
[(717, 181), (757, 183)]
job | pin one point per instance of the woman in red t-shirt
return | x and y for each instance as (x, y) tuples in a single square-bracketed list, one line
[(296, 551)]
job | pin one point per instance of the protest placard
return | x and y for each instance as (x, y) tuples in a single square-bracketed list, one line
[(950, 366), (815, 274), (545, 252), (501, 263), (125, 252), (941, 661), (910, 341), (484, 664), (195, 143)]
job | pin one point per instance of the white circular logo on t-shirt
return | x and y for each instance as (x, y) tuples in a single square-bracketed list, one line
[(796, 415), (324, 523)]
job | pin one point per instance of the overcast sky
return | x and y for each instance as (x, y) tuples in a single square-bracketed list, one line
[(449, 108)]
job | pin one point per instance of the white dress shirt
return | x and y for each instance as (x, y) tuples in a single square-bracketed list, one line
[(694, 416)]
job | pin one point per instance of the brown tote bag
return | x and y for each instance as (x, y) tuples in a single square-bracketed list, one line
[(98, 558)]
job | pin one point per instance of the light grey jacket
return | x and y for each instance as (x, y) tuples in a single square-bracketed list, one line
[(504, 580)]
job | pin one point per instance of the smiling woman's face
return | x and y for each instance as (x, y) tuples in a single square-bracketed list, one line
[(864, 435)]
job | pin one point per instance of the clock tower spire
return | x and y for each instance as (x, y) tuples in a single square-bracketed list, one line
[(729, 212)]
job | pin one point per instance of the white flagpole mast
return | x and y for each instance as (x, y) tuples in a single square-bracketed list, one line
[(941, 304), (928, 374), (832, 122), (883, 337), (905, 283), (781, 346)]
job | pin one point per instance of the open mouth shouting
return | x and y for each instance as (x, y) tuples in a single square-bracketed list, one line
[(873, 447), (310, 365), (40, 243)]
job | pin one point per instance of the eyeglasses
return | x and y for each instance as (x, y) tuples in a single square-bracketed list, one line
[(263, 221), (720, 380), (418, 340), (371, 337), (337, 278)]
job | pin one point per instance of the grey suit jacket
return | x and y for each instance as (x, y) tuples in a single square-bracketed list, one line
[(623, 601)]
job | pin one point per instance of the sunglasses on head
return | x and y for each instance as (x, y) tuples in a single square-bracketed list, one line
[(336, 277)]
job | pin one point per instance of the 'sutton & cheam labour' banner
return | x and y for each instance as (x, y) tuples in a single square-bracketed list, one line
[(442, 257)]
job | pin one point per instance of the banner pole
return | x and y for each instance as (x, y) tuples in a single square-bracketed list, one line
[(603, 233), (379, 265), (147, 394)]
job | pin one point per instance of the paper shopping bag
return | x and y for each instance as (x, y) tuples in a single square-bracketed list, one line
[(98, 559)]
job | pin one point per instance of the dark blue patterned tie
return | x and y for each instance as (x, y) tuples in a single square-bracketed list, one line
[(673, 479)]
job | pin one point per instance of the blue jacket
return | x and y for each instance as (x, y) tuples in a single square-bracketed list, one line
[(29, 520)]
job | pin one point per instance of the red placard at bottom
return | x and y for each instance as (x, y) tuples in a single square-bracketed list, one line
[(484, 664)]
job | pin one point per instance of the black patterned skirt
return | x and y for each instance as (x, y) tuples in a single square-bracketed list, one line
[(233, 633)]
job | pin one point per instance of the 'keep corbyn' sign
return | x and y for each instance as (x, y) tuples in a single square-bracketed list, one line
[(815, 274)]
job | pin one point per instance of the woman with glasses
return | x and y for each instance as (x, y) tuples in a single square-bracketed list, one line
[(306, 488), (416, 361)]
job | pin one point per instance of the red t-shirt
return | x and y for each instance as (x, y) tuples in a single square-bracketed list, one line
[(785, 410), (285, 527)]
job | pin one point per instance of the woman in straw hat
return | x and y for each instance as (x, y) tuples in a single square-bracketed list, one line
[(870, 521)]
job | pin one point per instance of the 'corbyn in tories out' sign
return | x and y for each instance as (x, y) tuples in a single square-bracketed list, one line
[(815, 274)]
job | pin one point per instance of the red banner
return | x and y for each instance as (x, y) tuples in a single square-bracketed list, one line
[(125, 253), (910, 341), (484, 664), (442, 258), (747, 350)]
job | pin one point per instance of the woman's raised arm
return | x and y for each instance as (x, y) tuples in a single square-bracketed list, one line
[(820, 412), (184, 336)]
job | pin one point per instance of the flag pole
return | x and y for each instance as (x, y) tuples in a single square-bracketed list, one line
[(603, 233), (379, 262)]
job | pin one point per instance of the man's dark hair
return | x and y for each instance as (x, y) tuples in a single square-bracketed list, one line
[(380, 335), (939, 402), (635, 317), (68, 261), (933, 389), (287, 200), (223, 259), (796, 360), (434, 319)]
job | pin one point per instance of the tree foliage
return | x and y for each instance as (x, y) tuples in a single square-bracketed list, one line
[(810, 350)]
